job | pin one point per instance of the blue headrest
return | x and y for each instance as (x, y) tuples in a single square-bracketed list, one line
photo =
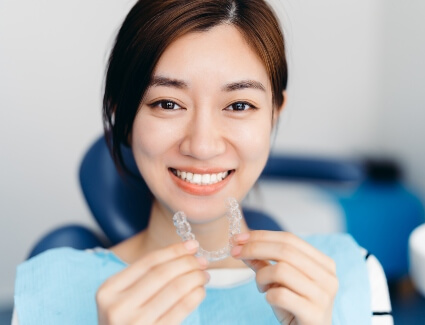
[(110, 196)]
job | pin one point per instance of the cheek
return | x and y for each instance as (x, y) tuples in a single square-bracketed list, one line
[(253, 146), (253, 141), (151, 138)]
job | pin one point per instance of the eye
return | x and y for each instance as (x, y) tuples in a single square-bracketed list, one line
[(240, 106), (165, 104)]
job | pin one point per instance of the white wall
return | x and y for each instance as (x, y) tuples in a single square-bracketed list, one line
[(52, 56), (402, 115), (333, 78)]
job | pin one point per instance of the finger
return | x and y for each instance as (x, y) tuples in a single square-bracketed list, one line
[(256, 265), (160, 276), (240, 239), (171, 295), (181, 310), (289, 301), (284, 275), (286, 238), (129, 275), (289, 254)]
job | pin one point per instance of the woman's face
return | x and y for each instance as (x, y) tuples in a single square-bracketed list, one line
[(202, 133)]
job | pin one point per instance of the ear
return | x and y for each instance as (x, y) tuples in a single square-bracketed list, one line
[(279, 109)]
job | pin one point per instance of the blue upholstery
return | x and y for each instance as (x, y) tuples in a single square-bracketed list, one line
[(75, 236), (381, 217), (313, 169), (121, 204)]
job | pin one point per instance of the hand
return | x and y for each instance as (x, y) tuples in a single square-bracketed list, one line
[(302, 284), (163, 287)]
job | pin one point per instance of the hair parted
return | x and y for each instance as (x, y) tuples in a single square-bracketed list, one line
[(152, 25)]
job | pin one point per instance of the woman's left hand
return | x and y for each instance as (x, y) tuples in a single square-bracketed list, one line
[(300, 286)]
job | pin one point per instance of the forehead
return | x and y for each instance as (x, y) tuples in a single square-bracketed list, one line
[(219, 55)]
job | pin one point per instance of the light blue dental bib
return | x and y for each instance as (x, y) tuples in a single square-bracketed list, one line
[(59, 287)]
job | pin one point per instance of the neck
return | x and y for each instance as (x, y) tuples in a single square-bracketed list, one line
[(161, 233)]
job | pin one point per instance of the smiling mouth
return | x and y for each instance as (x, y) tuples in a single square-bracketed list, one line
[(201, 179)]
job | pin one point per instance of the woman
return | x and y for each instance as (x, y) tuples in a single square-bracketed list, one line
[(194, 88)]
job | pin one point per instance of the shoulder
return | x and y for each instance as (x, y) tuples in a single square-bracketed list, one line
[(14, 318), (358, 268), (61, 282), (352, 276), (41, 266), (379, 294), (340, 246), (52, 272), (44, 267), (58, 264), (57, 258)]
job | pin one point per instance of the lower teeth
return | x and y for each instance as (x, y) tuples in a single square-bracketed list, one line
[(234, 216)]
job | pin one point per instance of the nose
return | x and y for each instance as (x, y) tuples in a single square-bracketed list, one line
[(204, 137)]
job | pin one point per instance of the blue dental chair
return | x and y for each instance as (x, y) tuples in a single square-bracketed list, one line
[(121, 205)]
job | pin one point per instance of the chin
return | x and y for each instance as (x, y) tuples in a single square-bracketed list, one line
[(202, 209)]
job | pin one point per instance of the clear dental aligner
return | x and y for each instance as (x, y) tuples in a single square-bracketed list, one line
[(234, 217)]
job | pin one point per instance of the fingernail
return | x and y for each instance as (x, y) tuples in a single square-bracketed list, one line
[(190, 245), (242, 237), (202, 260), (236, 251)]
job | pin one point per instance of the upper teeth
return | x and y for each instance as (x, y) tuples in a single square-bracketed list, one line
[(202, 179)]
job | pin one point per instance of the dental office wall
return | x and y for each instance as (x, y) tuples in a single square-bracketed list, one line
[(356, 72), (401, 118)]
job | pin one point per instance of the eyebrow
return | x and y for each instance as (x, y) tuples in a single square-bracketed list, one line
[(180, 84), (168, 82), (244, 84)]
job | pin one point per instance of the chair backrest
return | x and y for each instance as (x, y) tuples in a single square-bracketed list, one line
[(121, 205)]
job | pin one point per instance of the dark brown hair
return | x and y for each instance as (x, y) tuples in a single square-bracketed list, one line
[(152, 25)]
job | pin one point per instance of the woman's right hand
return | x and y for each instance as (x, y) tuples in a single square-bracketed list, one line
[(163, 287)]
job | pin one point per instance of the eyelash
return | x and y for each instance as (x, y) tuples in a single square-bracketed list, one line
[(162, 104), (241, 103)]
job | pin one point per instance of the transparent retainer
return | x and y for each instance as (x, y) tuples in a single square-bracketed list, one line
[(234, 216)]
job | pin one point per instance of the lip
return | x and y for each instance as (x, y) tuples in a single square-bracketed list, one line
[(201, 190)]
